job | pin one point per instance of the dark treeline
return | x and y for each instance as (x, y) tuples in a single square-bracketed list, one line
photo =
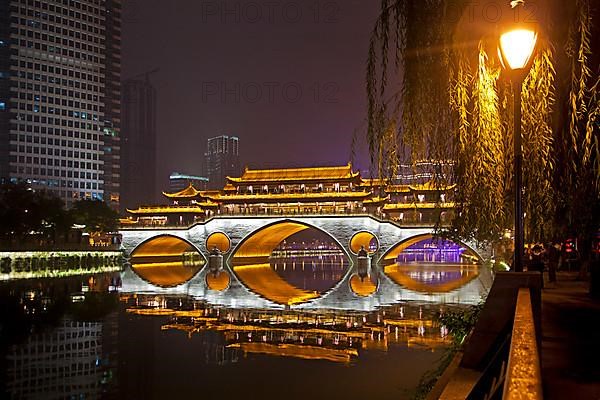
[(29, 215)]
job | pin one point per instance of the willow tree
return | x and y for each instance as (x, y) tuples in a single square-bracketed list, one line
[(435, 78)]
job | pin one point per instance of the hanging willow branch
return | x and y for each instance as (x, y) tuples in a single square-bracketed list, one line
[(454, 106)]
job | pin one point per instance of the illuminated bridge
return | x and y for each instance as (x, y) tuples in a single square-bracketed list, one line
[(175, 261)]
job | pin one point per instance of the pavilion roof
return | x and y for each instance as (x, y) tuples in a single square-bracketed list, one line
[(291, 197), (162, 210), (188, 192), (296, 174)]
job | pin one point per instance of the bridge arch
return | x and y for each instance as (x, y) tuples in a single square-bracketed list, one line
[(166, 260), (364, 239), (428, 278), (392, 253), (250, 262)]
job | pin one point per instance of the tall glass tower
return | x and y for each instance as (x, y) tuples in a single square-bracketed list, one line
[(60, 72), (222, 159)]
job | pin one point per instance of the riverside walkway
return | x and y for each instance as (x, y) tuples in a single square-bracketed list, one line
[(570, 340)]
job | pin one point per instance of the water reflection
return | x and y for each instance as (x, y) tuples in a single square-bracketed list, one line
[(313, 273), (166, 261), (324, 335), (297, 264), (432, 278), (66, 362), (77, 338), (59, 337)]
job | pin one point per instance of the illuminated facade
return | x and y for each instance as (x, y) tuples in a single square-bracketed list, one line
[(60, 97), (335, 190)]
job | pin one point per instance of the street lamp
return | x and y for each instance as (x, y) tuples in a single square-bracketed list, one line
[(516, 50)]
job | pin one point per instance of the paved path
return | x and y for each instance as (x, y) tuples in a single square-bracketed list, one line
[(570, 340)]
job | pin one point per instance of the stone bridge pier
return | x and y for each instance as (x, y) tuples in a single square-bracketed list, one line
[(247, 243)]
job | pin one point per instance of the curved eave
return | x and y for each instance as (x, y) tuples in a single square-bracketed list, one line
[(294, 180), (176, 196), (292, 198), (166, 210), (189, 192)]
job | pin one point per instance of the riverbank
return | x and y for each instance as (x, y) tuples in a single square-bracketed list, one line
[(52, 264), (570, 344)]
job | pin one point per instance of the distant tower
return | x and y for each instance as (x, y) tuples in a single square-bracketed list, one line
[(222, 159), (138, 143)]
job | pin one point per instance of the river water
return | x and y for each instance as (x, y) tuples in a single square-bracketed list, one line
[(118, 336)]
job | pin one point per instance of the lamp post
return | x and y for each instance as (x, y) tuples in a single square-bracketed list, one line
[(516, 50)]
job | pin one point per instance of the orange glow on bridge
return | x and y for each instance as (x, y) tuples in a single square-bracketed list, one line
[(361, 239), (166, 261), (261, 243), (261, 279), (163, 245), (362, 287), (298, 351), (404, 275), (165, 274), (220, 241), (218, 282)]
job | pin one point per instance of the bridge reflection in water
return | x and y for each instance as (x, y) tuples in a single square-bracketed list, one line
[(317, 335), (296, 266)]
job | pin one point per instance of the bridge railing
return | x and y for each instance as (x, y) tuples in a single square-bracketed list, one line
[(379, 216), (513, 372)]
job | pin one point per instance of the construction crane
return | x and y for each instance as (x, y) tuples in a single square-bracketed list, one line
[(146, 74)]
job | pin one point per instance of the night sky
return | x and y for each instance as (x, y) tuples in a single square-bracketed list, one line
[(287, 78)]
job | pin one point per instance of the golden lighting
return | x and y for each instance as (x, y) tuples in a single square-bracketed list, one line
[(391, 255), (166, 274), (401, 275), (262, 243), (298, 351), (163, 245), (218, 282), (296, 174), (220, 241), (166, 261), (261, 279), (516, 48), (362, 239), (362, 287)]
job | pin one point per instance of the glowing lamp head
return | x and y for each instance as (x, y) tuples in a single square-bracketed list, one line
[(516, 48)]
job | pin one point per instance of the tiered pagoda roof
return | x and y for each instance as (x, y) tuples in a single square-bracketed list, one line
[(189, 192), (163, 210), (296, 175), (293, 197)]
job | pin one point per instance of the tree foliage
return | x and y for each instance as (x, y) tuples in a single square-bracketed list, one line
[(24, 211), (455, 104), (95, 215)]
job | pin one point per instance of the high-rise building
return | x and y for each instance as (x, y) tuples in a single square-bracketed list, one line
[(111, 141), (138, 144), (222, 159), (178, 181), (59, 80)]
